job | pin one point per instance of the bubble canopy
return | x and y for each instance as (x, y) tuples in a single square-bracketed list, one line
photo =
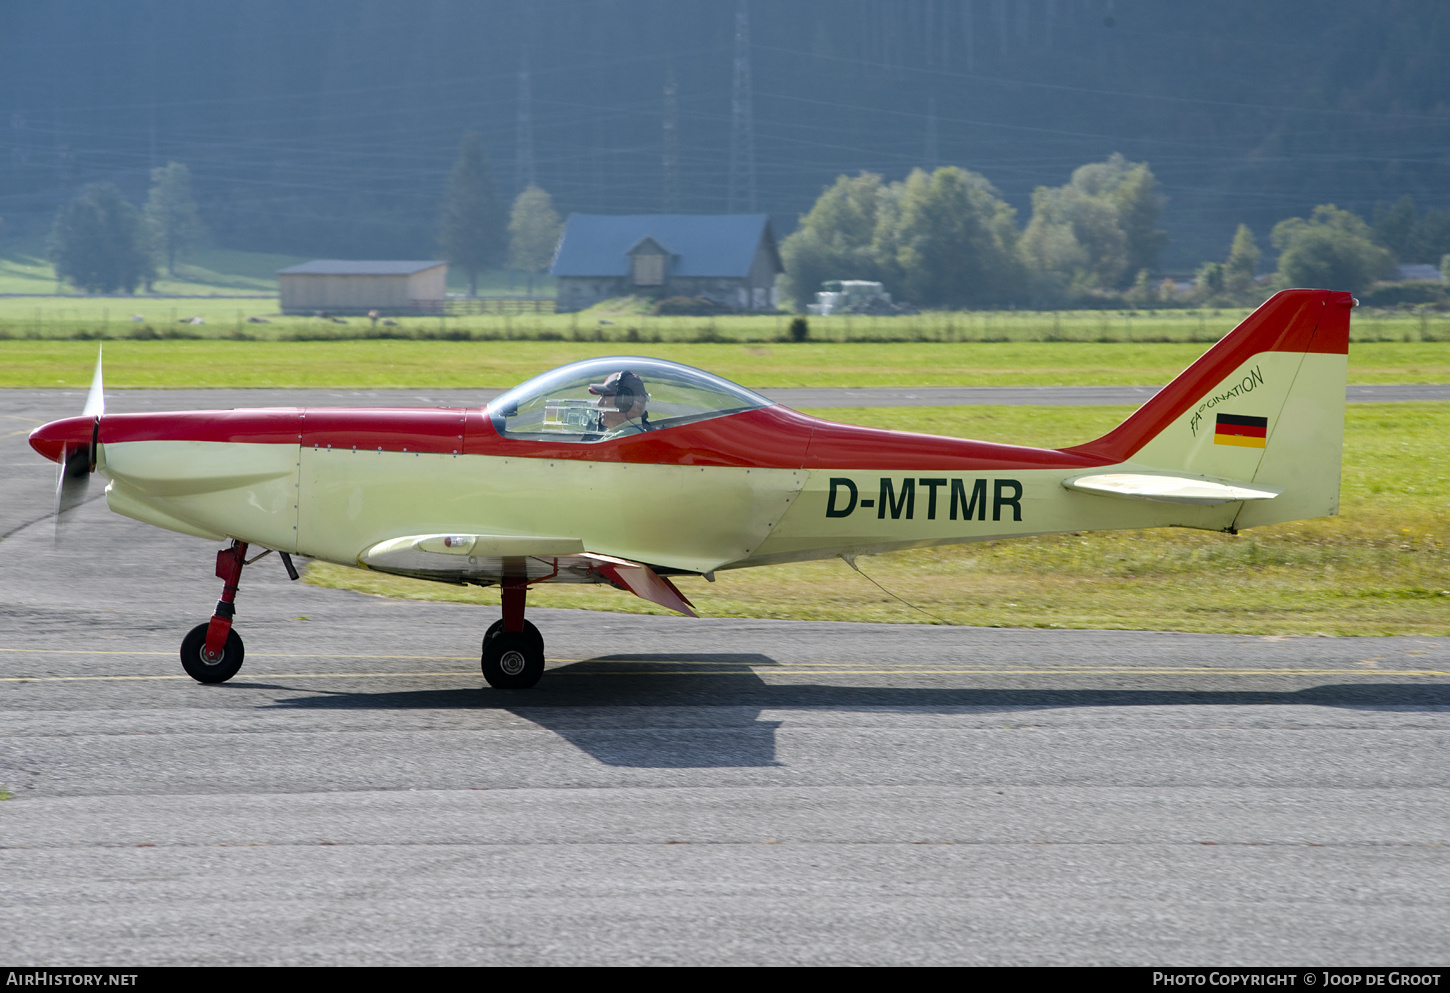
[(558, 405)]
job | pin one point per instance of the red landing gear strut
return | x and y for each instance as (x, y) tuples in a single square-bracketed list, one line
[(213, 652), (513, 649), (229, 562)]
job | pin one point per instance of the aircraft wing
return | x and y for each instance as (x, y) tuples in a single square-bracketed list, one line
[(489, 559), (1168, 489)]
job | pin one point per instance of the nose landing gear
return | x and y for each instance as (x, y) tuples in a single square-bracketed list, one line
[(213, 652)]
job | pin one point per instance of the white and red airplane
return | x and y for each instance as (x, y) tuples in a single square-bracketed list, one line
[(631, 470)]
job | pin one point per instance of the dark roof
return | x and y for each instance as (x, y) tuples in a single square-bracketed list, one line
[(342, 267), (702, 244)]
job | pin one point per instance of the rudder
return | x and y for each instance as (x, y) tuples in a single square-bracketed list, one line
[(1264, 405)]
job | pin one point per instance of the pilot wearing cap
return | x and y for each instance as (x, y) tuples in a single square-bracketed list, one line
[(622, 398)]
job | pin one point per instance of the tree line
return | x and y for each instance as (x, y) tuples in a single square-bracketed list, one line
[(100, 243), (943, 239), (946, 239)]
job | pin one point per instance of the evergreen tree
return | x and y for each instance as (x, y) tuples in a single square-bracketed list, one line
[(534, 230), (1243, 263), (171, 213), (471, 230), (98, 242)]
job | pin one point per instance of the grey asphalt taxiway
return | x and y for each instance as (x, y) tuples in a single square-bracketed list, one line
[(681, 791)]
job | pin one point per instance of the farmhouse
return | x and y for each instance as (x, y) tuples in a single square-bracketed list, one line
[(731, 259), (341, 287)]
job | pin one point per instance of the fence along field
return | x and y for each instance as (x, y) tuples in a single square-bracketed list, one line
[(144, 318)]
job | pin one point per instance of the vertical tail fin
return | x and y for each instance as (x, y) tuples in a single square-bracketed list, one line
[(1264, 405)]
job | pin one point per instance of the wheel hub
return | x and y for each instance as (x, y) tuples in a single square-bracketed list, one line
[(512, 662), (210, 659)]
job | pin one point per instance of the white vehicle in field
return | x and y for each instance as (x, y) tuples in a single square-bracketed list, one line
[(850, 296)]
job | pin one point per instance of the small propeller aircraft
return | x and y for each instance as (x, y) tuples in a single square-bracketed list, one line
[(631, 470)]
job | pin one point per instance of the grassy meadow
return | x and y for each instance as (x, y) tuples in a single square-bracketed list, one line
[(168, 364), (1379, 568), (250, 278)]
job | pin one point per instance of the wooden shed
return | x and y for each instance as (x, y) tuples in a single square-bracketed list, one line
[(343, 287)]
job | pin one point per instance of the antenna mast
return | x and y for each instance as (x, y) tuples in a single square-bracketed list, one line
[(524, 173), (671, 161), (742, 125)]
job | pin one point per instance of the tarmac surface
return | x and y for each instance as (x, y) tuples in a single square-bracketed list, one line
[(681, 791)]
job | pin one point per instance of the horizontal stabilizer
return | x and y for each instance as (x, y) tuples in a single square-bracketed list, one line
[(1168, 489)]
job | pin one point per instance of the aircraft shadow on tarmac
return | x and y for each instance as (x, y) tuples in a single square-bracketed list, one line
[(699, 711)]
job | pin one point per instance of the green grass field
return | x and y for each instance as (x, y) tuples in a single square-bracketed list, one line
[(1379, 568), (496, 364), (208, 272)]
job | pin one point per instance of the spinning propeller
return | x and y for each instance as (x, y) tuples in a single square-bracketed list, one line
[(80, 459)]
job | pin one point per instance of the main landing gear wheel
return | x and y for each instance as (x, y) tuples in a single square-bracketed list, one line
[(512, 660), (204, 670), (496, 628)]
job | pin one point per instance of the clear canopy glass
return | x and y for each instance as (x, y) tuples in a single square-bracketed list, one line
[(558, 406)]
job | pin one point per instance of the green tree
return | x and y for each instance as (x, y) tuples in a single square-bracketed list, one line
[(471, 231), (98, 242), (1332, 250), (1074, 242), (1209, 280), (171, 213), (1243, 263), (836, 239), (534, 230), (951, 240), (1096, 232)]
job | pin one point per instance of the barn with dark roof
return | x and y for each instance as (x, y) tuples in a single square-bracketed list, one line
[(731, 259)]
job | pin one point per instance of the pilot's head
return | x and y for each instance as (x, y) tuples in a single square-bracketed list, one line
[(622, 397)]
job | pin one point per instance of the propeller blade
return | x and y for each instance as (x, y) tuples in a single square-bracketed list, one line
[(74, 477), (71, 483), (96, 398)]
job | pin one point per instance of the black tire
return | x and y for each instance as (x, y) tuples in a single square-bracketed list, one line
[(198, 668), (512, 660), (496, 628)]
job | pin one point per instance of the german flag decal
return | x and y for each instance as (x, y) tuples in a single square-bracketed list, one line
[(1245, 432)]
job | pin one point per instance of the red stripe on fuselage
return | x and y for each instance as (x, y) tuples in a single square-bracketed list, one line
[(780, 438), (394, 429), (769, 437)]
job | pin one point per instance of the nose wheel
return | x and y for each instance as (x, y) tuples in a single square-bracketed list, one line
[(206, 667)]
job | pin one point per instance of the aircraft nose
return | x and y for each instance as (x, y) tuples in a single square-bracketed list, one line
[(52, 440)]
